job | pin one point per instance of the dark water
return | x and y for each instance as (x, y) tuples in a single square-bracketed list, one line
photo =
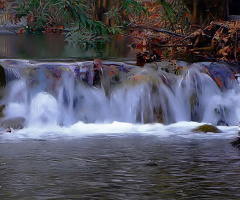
[(124, 167), (55, 47)]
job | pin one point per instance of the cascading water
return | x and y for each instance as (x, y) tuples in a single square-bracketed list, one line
[(79, 102), (43, 110), (16, 100), (54, 94)]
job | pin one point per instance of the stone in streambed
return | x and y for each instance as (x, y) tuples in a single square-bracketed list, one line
[(207, 128), (15, 123), (236, 143)]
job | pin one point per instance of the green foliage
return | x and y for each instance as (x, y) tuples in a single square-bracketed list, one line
[(125, 9), (177, 14), (90, 31), (43, 15), (73, 10), (81, 36), (36, 12), (71, 14), (114, 13), (133, 7), (115, 30)]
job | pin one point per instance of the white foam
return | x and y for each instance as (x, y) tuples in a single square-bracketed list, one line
[(119, 129), (44, 110), (68, 107)]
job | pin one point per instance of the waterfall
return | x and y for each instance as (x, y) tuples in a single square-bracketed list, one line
[(58, 94)]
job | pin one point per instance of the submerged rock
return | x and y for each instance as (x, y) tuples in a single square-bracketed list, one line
[(207, 128), (236, 143), (151, 164), (15, 123)]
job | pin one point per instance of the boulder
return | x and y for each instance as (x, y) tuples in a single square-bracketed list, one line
[(15, 123), (207, 128)]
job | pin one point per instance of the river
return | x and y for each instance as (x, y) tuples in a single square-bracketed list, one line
[(132, 162), (80, 143)]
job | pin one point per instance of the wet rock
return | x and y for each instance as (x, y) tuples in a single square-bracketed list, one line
[(147, 57), (158, 114), (207, 128), (15, 123), (194, 102), (9, 74), (2, 76), (168, 67), (151, 164), (236, 143), (97, 71), (1, 110)]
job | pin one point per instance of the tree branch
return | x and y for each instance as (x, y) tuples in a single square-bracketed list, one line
[(160, 30)]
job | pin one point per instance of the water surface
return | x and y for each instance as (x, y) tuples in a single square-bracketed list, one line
[(55, 47), (162, 162)]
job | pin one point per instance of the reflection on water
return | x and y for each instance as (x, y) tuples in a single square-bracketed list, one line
[(124, 167), (55, 47)]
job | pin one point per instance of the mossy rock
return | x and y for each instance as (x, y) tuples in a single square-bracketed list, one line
[(207, 128)]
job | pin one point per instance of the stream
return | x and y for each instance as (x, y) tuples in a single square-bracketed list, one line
[(131, 137), (120, 166)]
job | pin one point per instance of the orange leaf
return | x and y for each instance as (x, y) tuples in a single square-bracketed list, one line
[(219, 82), (137, 77)]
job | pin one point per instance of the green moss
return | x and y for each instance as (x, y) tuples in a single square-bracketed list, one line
[(207, 128)]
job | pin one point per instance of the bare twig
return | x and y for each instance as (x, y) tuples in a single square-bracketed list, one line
[(208, 9), (125, 35), (170, 45), (159, 30)]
